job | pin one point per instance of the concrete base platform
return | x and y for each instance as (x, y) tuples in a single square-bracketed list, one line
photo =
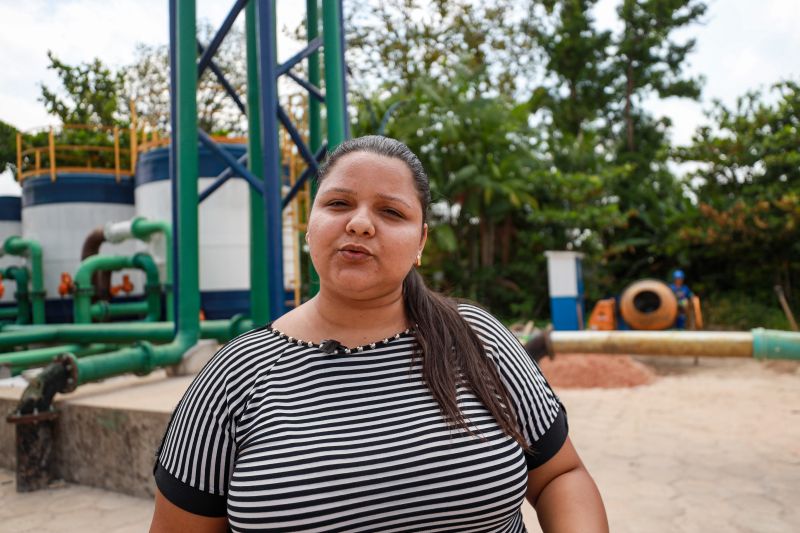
[(107, 433)]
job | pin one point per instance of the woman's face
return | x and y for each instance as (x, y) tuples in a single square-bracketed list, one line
[(365, 229)]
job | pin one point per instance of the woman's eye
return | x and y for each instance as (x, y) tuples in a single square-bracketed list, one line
[(337, 203), (393, 212)]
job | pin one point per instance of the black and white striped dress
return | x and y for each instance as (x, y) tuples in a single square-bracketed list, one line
[(280, 436)]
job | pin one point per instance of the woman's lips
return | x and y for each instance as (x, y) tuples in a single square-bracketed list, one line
[(354, 255), (355, 252)]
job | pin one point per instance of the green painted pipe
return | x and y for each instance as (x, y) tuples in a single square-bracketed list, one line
[(335, 96), (9, 312), (82, 301), (314, 117), (259, 289), (776, 344), (21, 247), (117, 332), (20, 275), (19, 361), (104, 310), (142, 229)]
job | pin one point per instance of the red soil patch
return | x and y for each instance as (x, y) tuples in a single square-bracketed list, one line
[(595, 371)]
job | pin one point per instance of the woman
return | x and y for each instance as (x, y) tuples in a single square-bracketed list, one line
[(378, 405)]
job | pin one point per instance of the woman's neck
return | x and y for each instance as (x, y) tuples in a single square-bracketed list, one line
[(354, 322)]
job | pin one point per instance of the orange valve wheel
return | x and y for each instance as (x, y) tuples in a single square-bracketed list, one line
[(66, 286), (127, 285)]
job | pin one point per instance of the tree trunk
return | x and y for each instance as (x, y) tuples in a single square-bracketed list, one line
[(487, 242), (505, 240), (628, 112)]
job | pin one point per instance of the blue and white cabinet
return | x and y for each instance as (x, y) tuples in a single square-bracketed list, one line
[(565, 286)]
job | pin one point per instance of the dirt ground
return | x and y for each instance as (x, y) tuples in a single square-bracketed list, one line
[(707, 447)]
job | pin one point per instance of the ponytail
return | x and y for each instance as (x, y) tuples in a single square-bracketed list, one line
[(452, 356)]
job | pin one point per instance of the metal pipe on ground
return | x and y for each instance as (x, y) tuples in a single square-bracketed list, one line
[(759, 343)]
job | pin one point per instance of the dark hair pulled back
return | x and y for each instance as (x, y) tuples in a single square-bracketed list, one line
[(452, 354)]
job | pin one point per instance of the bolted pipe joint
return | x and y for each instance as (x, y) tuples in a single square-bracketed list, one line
[(148, 360)]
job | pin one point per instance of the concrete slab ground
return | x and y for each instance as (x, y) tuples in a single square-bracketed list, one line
[(707, 448)]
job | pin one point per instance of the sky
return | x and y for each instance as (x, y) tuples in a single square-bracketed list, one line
[(742, 45)]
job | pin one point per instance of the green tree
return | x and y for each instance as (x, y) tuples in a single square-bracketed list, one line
[(8, 147), (390, 45), (747, 188), (91, 94), (648, 57), (649, 61)]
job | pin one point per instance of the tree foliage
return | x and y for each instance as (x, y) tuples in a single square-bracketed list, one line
[(8, 147), (147, 84), (747, 189), (90, 94)]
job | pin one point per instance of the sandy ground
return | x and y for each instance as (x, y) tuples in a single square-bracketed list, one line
[(713, 447)]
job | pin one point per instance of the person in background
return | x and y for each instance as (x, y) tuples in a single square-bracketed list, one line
[(684, 296)]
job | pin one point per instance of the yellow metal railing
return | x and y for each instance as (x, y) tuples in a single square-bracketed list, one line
[(75, 148), (54, 151)]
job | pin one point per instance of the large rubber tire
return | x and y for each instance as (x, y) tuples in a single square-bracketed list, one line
[(648, 304)]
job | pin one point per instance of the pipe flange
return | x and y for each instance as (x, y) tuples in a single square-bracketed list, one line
[(34, 293), (69, 362), (150, 357), (33, 418)]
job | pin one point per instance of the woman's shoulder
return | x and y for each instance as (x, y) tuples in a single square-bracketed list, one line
[(245, 356), (479, 318)]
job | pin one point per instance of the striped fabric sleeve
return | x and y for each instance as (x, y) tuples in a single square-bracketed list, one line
[(541, 417), (196, 455)]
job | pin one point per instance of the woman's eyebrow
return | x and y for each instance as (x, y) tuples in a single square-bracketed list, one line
[(341, 190), (389, 197), (394, 199)]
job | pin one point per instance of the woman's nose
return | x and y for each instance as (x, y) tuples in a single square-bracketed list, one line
[(360, 224)]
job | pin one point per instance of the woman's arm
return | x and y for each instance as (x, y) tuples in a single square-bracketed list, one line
[(169, 518), (565, 496)]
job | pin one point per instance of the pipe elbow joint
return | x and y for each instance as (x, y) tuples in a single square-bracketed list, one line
[(117, 232), (13, 245)]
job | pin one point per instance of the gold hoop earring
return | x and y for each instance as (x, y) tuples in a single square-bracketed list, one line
[(419, 260)]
